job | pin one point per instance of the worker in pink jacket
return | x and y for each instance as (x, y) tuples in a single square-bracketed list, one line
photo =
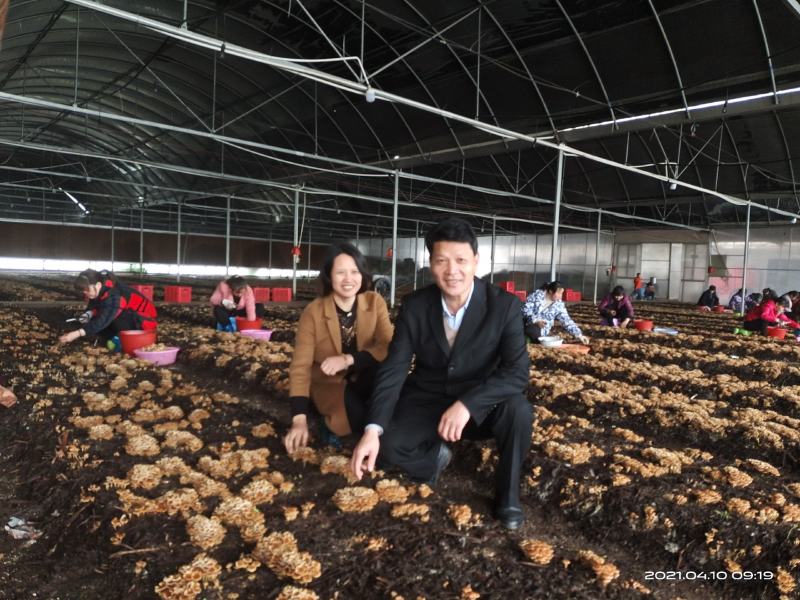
[(234, 298)]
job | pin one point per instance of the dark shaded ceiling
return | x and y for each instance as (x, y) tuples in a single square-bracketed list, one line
[(538, 67)]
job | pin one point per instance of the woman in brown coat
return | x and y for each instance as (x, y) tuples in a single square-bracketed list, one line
[(341, 338)]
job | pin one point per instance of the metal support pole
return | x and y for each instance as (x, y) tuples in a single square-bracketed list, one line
[(228, 238), (559, 185), (357, 235), (178, 255), (296, 242), (494, 245), (308, 263), (416, 252), (141, 240), (394, 236), (746, 254), (597, 256)]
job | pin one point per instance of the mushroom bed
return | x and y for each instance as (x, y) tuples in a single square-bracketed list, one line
[(661, 467)]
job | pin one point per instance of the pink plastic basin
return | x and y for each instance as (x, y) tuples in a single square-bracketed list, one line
[(257, 334), (159, 357)]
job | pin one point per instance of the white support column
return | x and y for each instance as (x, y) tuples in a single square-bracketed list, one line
[(746, 255), (556, 216), (178, 259), (141, 240), (494, 245), (112, 239), (597, 256), (296, 241), (269, 258), (228, 238), (416, 252), (394, 236)]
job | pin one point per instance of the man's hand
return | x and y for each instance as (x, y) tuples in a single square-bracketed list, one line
[(85, 317), (71, 336), (7, 397), (583, 340), (453, 422), (366, 450), (333, 364), (298, 434)]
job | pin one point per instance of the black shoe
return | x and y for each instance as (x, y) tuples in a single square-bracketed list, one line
[(443, 457), (510, 517)]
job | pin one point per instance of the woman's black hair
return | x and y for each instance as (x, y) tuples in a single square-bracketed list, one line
[(756, 297), (618, 291), (331, 253), (769, 294), (236, 283), (451, 229), (552, 287), (712, 287), (89, 277)]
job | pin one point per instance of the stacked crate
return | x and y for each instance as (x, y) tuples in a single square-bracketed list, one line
[(262, 294), (177, 293)]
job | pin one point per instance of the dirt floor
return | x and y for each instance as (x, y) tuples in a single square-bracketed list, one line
[(661, 467)]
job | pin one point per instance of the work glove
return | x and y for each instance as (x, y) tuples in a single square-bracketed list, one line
[(84, 318)]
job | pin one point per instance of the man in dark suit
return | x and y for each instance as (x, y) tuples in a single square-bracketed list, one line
[(469, 379)]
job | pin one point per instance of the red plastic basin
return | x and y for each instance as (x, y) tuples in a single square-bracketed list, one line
[(718, 309), (776, 332), (643, 325), (242, 324), (136, 338)]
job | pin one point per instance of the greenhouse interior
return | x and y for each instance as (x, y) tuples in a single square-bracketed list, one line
[(399, 299)]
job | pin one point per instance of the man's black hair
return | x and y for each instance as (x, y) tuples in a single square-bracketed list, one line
[(451, 229)]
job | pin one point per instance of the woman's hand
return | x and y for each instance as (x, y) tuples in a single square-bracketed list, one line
[(298, 434), (583, 340), (334, 364), (540, 323), (624, 323), (71, 336), (612, 313)]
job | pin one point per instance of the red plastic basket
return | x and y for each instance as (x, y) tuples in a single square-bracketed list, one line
[(521, 294), (177, 293), (507, 286), (262, 294), (136, 338), (281, 294), (144, 290), (643, 325)]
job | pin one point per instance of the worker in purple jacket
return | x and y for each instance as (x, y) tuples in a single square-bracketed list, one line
[(616, 309)]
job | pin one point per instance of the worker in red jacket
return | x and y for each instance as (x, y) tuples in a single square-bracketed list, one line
[(113, 307), (769, 313)]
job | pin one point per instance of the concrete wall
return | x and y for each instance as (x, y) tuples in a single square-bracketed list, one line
[(31, 240)]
